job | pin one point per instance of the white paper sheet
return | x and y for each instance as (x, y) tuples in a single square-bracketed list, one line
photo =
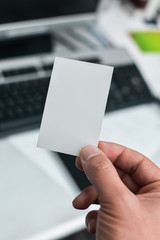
[(74, 106)]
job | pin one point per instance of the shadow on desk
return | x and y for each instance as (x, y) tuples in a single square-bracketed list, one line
[(80, 235), (78, 176)]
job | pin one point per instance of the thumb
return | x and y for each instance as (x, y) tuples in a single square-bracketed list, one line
[(102, 174)]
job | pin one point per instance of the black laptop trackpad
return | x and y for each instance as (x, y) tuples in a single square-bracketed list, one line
[(78, 175), (25, 45)]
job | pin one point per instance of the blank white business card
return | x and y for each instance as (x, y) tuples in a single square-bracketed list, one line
[(75, 106)]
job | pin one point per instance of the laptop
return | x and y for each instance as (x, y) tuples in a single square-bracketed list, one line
[(32, 33)]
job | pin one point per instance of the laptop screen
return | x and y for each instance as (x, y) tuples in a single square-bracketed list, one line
[(24, 10)]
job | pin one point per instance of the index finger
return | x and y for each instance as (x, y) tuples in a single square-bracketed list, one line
[(143, 170)]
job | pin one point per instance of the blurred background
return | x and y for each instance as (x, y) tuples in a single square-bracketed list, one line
[(37, 186)]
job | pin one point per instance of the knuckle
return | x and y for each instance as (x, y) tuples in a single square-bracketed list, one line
[(98, 163), (89, 189)]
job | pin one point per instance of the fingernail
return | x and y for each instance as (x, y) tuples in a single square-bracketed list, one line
[(91, 224), (88, 152)]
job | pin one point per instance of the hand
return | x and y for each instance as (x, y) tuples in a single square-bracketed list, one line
[(126, 185)]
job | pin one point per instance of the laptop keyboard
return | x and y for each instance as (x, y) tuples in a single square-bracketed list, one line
[(22, 103), (127, 89)]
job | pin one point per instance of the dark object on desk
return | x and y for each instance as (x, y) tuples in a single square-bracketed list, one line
[(140, 3), (78, 176), (25, 45), (22, 103), (81, 235), (154, 20)]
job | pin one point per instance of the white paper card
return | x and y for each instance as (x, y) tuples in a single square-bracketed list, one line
[(75, 106)]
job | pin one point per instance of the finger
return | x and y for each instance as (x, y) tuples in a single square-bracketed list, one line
[(91, 221), (87, 197), (78, 164), (137, 165), (125, 177), (102, 174), (128, 181)]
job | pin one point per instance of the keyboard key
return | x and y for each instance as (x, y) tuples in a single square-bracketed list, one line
[(19, 71), (9, 114), (48, 67), (2, 105), (10, 102), (91, 60), (1, 116), (19, 111)]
